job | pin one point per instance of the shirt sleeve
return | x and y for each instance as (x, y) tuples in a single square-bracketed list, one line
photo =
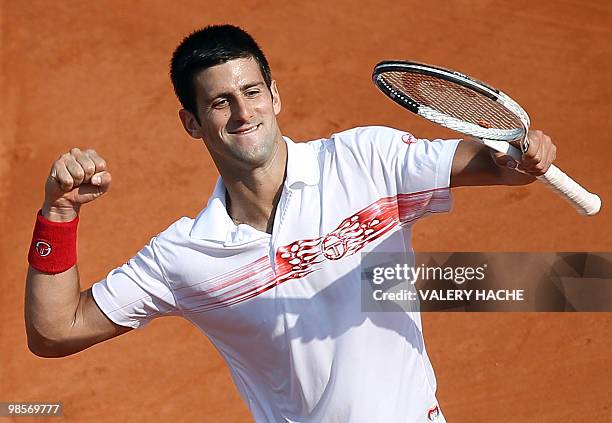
[(419, 164), (398, 162), (416, 172), (134, 294), (422, 171)]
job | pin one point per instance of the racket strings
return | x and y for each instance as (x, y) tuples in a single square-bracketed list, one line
[(453, 100)]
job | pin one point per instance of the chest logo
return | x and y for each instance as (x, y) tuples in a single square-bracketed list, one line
[(333, 247)]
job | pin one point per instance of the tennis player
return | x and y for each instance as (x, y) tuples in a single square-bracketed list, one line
[(270, 270)]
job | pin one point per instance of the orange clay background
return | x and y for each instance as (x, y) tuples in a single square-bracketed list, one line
[(95, 74)]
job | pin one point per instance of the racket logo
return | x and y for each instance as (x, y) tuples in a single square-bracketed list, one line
[(42, 248), (409, 139)]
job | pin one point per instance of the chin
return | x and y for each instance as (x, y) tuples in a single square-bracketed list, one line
[(255, 155)]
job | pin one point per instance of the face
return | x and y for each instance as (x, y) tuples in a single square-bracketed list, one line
[(237, 114)]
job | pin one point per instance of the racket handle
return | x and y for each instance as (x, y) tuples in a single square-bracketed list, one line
[(585, 202)]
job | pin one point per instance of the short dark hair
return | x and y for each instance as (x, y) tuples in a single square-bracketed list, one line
[(210, 46)]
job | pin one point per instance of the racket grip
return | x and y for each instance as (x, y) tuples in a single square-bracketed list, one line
[(585, 202)]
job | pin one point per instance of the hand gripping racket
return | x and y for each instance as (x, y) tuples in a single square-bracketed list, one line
[(466, 105)]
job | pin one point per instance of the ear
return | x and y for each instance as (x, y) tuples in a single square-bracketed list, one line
[(190, 123), (276, 100)]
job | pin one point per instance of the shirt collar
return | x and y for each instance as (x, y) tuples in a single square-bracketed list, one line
[(302, 164), (214, 223)]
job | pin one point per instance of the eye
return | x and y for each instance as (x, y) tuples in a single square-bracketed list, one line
[(252, 92), (220, 103)]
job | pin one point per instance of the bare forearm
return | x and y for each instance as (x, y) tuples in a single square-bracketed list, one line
[(51, 302), (473, 165)]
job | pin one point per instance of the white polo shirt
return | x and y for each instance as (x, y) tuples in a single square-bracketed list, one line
[(284, 310)]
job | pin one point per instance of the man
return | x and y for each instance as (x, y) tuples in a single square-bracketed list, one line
[(270, 269)]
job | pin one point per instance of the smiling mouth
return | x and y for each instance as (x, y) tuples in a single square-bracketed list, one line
[(245, 131)]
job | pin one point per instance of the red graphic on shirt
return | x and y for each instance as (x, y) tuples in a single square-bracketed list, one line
[(297, 259), (231, 287), (303, 257)]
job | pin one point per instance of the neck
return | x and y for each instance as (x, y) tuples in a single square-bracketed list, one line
[(252, 196)]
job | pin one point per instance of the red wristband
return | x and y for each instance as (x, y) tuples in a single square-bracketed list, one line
[(53, 249)]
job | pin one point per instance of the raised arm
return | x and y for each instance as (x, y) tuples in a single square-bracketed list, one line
[(475, 164), (60, 319)]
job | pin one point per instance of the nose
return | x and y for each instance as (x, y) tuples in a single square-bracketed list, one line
[(241, 110)]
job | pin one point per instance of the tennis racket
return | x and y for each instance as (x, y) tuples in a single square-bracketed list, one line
[(466, 105)]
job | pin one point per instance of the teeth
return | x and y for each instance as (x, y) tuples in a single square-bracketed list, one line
[(246, 131)]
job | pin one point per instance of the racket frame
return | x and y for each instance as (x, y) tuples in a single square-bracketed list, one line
[(445, 120)]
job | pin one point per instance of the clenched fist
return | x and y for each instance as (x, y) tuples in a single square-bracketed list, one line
[(76, 178), (538, 158)]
